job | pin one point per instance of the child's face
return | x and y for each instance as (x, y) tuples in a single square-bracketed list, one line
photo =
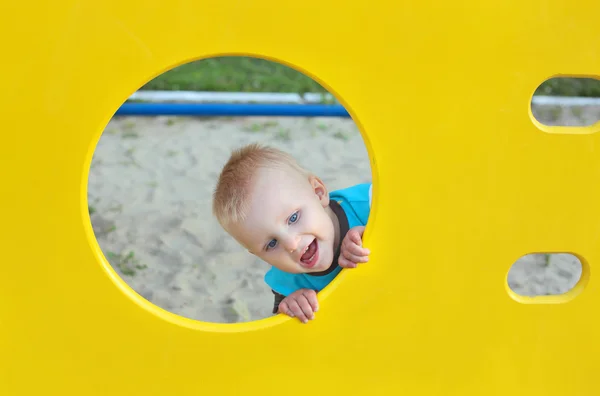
[(289, 215)]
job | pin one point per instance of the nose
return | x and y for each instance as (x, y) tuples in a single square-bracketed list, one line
[(291, 243)]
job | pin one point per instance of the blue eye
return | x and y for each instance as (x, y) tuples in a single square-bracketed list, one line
[(272, 244), (294, 218)]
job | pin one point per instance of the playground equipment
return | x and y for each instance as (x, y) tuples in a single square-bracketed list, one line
[(465, 182)]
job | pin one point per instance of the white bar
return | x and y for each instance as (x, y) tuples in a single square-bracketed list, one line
[(565, 101), (229, 97)]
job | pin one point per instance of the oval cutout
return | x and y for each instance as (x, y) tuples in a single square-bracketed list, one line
[(545, 277), (151, 181), (567, 105)]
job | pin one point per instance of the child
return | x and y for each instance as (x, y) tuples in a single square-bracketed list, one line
[(285, 216)]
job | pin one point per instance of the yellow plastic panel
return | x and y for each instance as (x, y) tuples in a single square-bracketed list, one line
[(465, 183)]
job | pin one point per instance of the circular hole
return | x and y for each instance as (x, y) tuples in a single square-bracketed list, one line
[(152, 179)]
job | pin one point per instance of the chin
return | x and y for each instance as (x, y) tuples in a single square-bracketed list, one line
[(324, 264)]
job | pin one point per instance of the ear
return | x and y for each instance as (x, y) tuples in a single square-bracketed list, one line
[(320, 190)]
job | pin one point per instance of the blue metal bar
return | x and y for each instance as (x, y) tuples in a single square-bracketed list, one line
[(231, 109)]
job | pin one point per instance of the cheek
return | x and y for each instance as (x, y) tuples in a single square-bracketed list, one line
[(326, 230)]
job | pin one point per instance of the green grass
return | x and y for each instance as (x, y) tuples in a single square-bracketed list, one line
[(588, 87), (235, 74), (127, 263), (244, 74)]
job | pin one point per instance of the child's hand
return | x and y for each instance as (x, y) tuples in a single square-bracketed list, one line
[(352, 252), (301, 304)]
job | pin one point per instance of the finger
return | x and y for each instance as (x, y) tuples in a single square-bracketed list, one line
[(355, 237), (355, 258), (285, 309), (345, 263), (297, 311), (311, 296), (356, 233), (306, 307), (357, 250)]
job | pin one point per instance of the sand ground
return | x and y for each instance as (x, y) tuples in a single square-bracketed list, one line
[(150, 186)]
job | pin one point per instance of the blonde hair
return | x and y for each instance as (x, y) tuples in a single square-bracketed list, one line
[(230, 197)]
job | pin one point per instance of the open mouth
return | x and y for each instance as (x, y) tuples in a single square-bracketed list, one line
[(311, 254)]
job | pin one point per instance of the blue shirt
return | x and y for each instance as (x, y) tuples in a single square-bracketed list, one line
[(352, 206)]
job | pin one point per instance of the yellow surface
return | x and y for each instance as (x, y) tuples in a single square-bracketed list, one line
[(465, 183)]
